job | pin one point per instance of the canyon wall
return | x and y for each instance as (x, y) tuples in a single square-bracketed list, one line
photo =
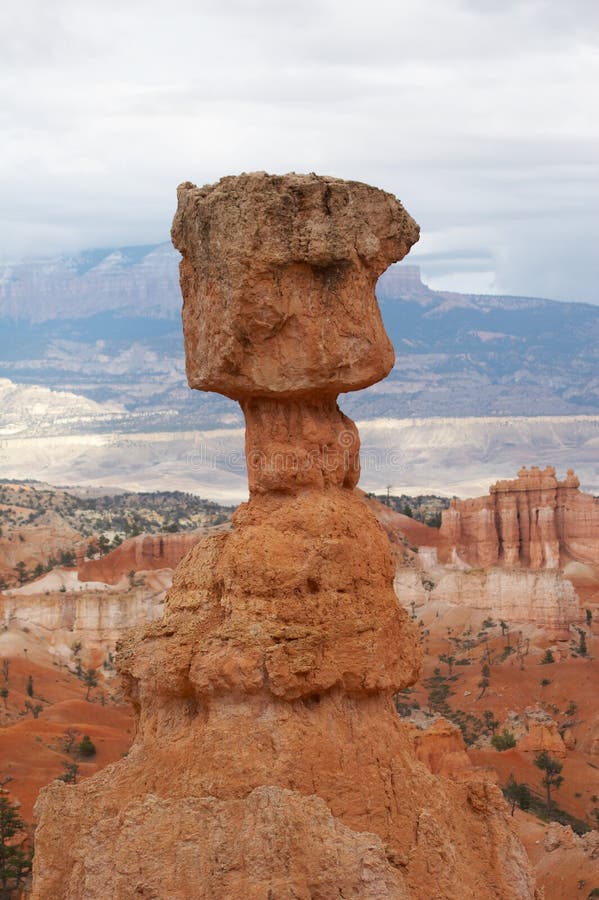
[(144, 553), (527, 552), (542, 598), (534, 521), (96, 619), (269, 761), (34, 543)]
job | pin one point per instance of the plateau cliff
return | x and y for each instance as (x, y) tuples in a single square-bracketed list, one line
[(97, 619)]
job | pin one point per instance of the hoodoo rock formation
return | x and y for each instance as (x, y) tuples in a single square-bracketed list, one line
[(269, 761), (533, 521), (524, 552)]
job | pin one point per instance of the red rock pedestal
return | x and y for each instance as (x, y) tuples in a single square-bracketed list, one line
[(269, 761)]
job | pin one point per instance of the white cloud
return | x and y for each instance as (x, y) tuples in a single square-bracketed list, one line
[(479, 115)]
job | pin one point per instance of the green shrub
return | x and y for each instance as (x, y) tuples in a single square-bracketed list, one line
[(86, 747), (505, 740)]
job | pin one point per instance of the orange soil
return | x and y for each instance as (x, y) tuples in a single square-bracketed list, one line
[(565, 873), (30, 750), (513, 690)]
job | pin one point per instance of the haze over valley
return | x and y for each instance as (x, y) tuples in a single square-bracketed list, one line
[(91, 367)]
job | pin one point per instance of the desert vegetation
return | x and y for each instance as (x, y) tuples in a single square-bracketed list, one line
[(426, 508)]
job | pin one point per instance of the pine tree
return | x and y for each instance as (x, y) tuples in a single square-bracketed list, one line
[(86, 747), (505, 630), (71, 770), (484, 683), (449, 660), (90, 681), (34, 708), (15, 861), (551, 769), (490, 721), (517, 794), (505, 740), (21, 572)]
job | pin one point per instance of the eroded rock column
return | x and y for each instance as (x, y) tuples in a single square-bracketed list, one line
[(269, 761)]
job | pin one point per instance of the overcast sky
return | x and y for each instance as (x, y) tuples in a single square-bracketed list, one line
[(481, 115)]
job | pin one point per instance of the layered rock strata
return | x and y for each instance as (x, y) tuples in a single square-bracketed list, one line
[(269, 761), (96, 619), (545, 599), (143, 553), (534, 521)]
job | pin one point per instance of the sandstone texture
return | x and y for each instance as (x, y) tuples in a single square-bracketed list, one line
[(442, 749), (566, 864), (269, 761), (543, 736), (272, 843), (278, 277), (534, 521)]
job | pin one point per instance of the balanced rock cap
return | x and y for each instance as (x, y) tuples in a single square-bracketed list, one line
[(278, 276)]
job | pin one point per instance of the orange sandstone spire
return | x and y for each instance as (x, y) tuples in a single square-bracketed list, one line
[(269, 761)]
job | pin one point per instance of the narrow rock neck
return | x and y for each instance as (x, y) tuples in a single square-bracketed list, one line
[(292, 445)]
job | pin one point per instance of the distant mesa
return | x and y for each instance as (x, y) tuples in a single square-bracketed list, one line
[(405, 282), (131, 280), (106, 324)]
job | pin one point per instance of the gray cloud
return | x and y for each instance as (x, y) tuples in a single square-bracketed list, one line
[(478, 115)]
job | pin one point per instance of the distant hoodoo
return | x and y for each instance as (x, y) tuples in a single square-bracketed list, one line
[(533, 521)]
